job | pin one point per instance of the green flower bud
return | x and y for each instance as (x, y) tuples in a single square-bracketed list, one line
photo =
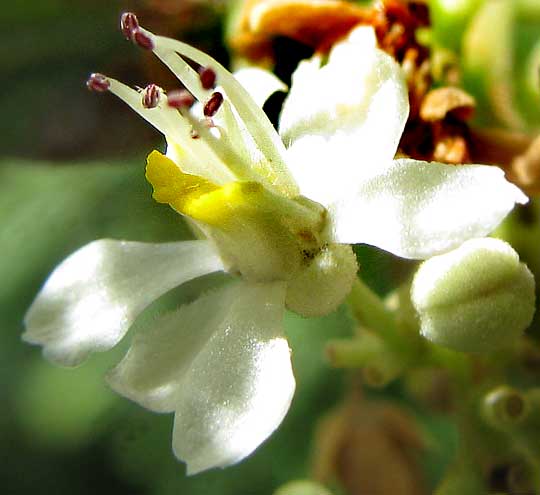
[(500, 53), (476, 298), (302, 487), (505, 407), (449, 19)]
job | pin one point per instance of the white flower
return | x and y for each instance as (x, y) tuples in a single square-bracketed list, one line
[(222, 364)]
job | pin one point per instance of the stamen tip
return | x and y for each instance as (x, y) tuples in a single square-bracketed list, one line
[(208, 77), (98, 83), (129, 24), (151, 96), (213, 104), (143, 40)]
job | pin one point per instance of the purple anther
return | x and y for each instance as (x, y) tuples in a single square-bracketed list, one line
[(212, 105), (208, 77), (151, 96), (98, 82), (129, 24), (180, 98), (141, 39)]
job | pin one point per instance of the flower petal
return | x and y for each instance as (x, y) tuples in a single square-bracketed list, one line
[(417, 209), (344, 117), (92, 297), (223, 364), (259, 83)]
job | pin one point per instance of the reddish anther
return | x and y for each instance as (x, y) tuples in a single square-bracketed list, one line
[(180, 99), (208, 77), (98, 82), (151, 96), (142, 39), (213, 104), (128, 24)]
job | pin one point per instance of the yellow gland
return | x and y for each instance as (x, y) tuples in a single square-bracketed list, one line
[(196, 196)]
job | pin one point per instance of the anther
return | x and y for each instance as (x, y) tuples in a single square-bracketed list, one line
[(129, 24), (213, 104), (194, 134), (142, 39), (151, 96), (180, 99), (98, 82), (207, 76)]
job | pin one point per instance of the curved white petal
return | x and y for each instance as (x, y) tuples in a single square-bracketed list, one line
[(235, 147), (223, 364), (90, 300), (417, 209), (259, 83), (345, 117)]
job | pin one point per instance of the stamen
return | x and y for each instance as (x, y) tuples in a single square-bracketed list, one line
[(180, 99), (213, 104), (194, 134), (197, 153), (151, 95), (253, 118), (208, 77), (98, 82), (142, 39), (129, 24)]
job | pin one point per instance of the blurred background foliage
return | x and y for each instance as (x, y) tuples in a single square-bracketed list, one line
[(71, 171)]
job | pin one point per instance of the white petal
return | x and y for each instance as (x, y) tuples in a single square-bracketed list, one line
[(223, 364), (343, 117), (417, 209), (259, 83), (90, 300)]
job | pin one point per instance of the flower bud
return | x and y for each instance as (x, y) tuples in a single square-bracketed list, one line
[(505, 407), (476, 298), (324, 284), (302, 487)]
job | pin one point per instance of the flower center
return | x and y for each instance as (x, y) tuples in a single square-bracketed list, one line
[(260, 235)]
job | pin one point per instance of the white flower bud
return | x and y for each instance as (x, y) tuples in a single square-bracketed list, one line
[(476, 298), (323, 285)]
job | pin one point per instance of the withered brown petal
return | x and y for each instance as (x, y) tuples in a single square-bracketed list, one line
[(438, 103)]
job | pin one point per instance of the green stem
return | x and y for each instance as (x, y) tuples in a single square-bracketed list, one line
[(370, 353), (371, 312)]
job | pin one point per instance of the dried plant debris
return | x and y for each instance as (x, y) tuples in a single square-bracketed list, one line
[(526, 167), (440, 102), (389, 465), (311, 22), (436, 128), (319, 23)]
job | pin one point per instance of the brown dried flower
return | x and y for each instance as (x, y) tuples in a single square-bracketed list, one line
[(369, 447)]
